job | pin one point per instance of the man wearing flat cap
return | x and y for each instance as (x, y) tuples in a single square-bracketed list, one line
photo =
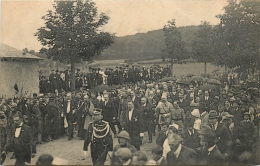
[(222, 132)]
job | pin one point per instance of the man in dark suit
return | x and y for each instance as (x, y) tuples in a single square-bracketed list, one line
[(53, 81), (148, 113), (157, 152), (190, 135), (207, 100), (180, 154), (136, 100), (23, 137), (222, 133), (211, 155), (108, 112), (133, 124), (70, 110), (183, 103), (174, 95), (162, 135)]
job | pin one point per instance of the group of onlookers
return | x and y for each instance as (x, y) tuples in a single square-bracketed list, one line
[(192, 124)]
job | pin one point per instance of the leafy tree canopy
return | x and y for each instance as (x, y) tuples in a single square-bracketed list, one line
[(240, 32), (175, 49), (72, 31)]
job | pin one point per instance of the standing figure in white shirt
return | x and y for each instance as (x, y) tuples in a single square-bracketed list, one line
[(22, 141), (133, 124)]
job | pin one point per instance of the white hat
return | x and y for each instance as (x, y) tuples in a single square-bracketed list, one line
[(195, 113)]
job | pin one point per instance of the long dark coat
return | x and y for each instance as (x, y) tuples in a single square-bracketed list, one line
[(187, 156)]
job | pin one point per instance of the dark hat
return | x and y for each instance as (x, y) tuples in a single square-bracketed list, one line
[(202, 106), (210, 137), (9, 99), (216, 97), (244, 99), (204, 129), (189, 121), (78, 69), (157, 150), (57, 70), (97, 111), (213, 114), (45, 159)]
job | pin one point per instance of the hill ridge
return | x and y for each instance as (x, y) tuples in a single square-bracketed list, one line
[(144, 45)]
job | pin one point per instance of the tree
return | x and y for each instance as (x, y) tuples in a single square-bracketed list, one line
[(202, 44), (72, 33), (25, 50), (239, 31), (175, 49)]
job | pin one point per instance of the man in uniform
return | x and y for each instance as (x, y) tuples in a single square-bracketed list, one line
[(100, 137), (177, 114), (124, 142), (108, 112)]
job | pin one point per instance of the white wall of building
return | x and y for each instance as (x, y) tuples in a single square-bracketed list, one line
[(23, 73)]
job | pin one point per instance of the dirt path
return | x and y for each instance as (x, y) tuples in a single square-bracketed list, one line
[(72, 150)]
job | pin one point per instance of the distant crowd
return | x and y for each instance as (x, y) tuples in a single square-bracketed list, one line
[(61, 80), (211, 119)]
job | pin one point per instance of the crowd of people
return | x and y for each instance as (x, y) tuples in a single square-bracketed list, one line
[(194, 121), (61, 80)]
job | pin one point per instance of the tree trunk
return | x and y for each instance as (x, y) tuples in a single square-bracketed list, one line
[(172, 69), (205, 67), (72, 84)]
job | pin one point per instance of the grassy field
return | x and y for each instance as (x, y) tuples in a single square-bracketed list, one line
[(179, 69)]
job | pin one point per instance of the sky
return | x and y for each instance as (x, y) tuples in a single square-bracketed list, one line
[(21, 19)]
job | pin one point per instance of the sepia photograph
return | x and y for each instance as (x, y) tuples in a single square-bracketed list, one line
[(130, 82)]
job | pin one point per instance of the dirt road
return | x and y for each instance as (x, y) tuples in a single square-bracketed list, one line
[(72, 150)]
